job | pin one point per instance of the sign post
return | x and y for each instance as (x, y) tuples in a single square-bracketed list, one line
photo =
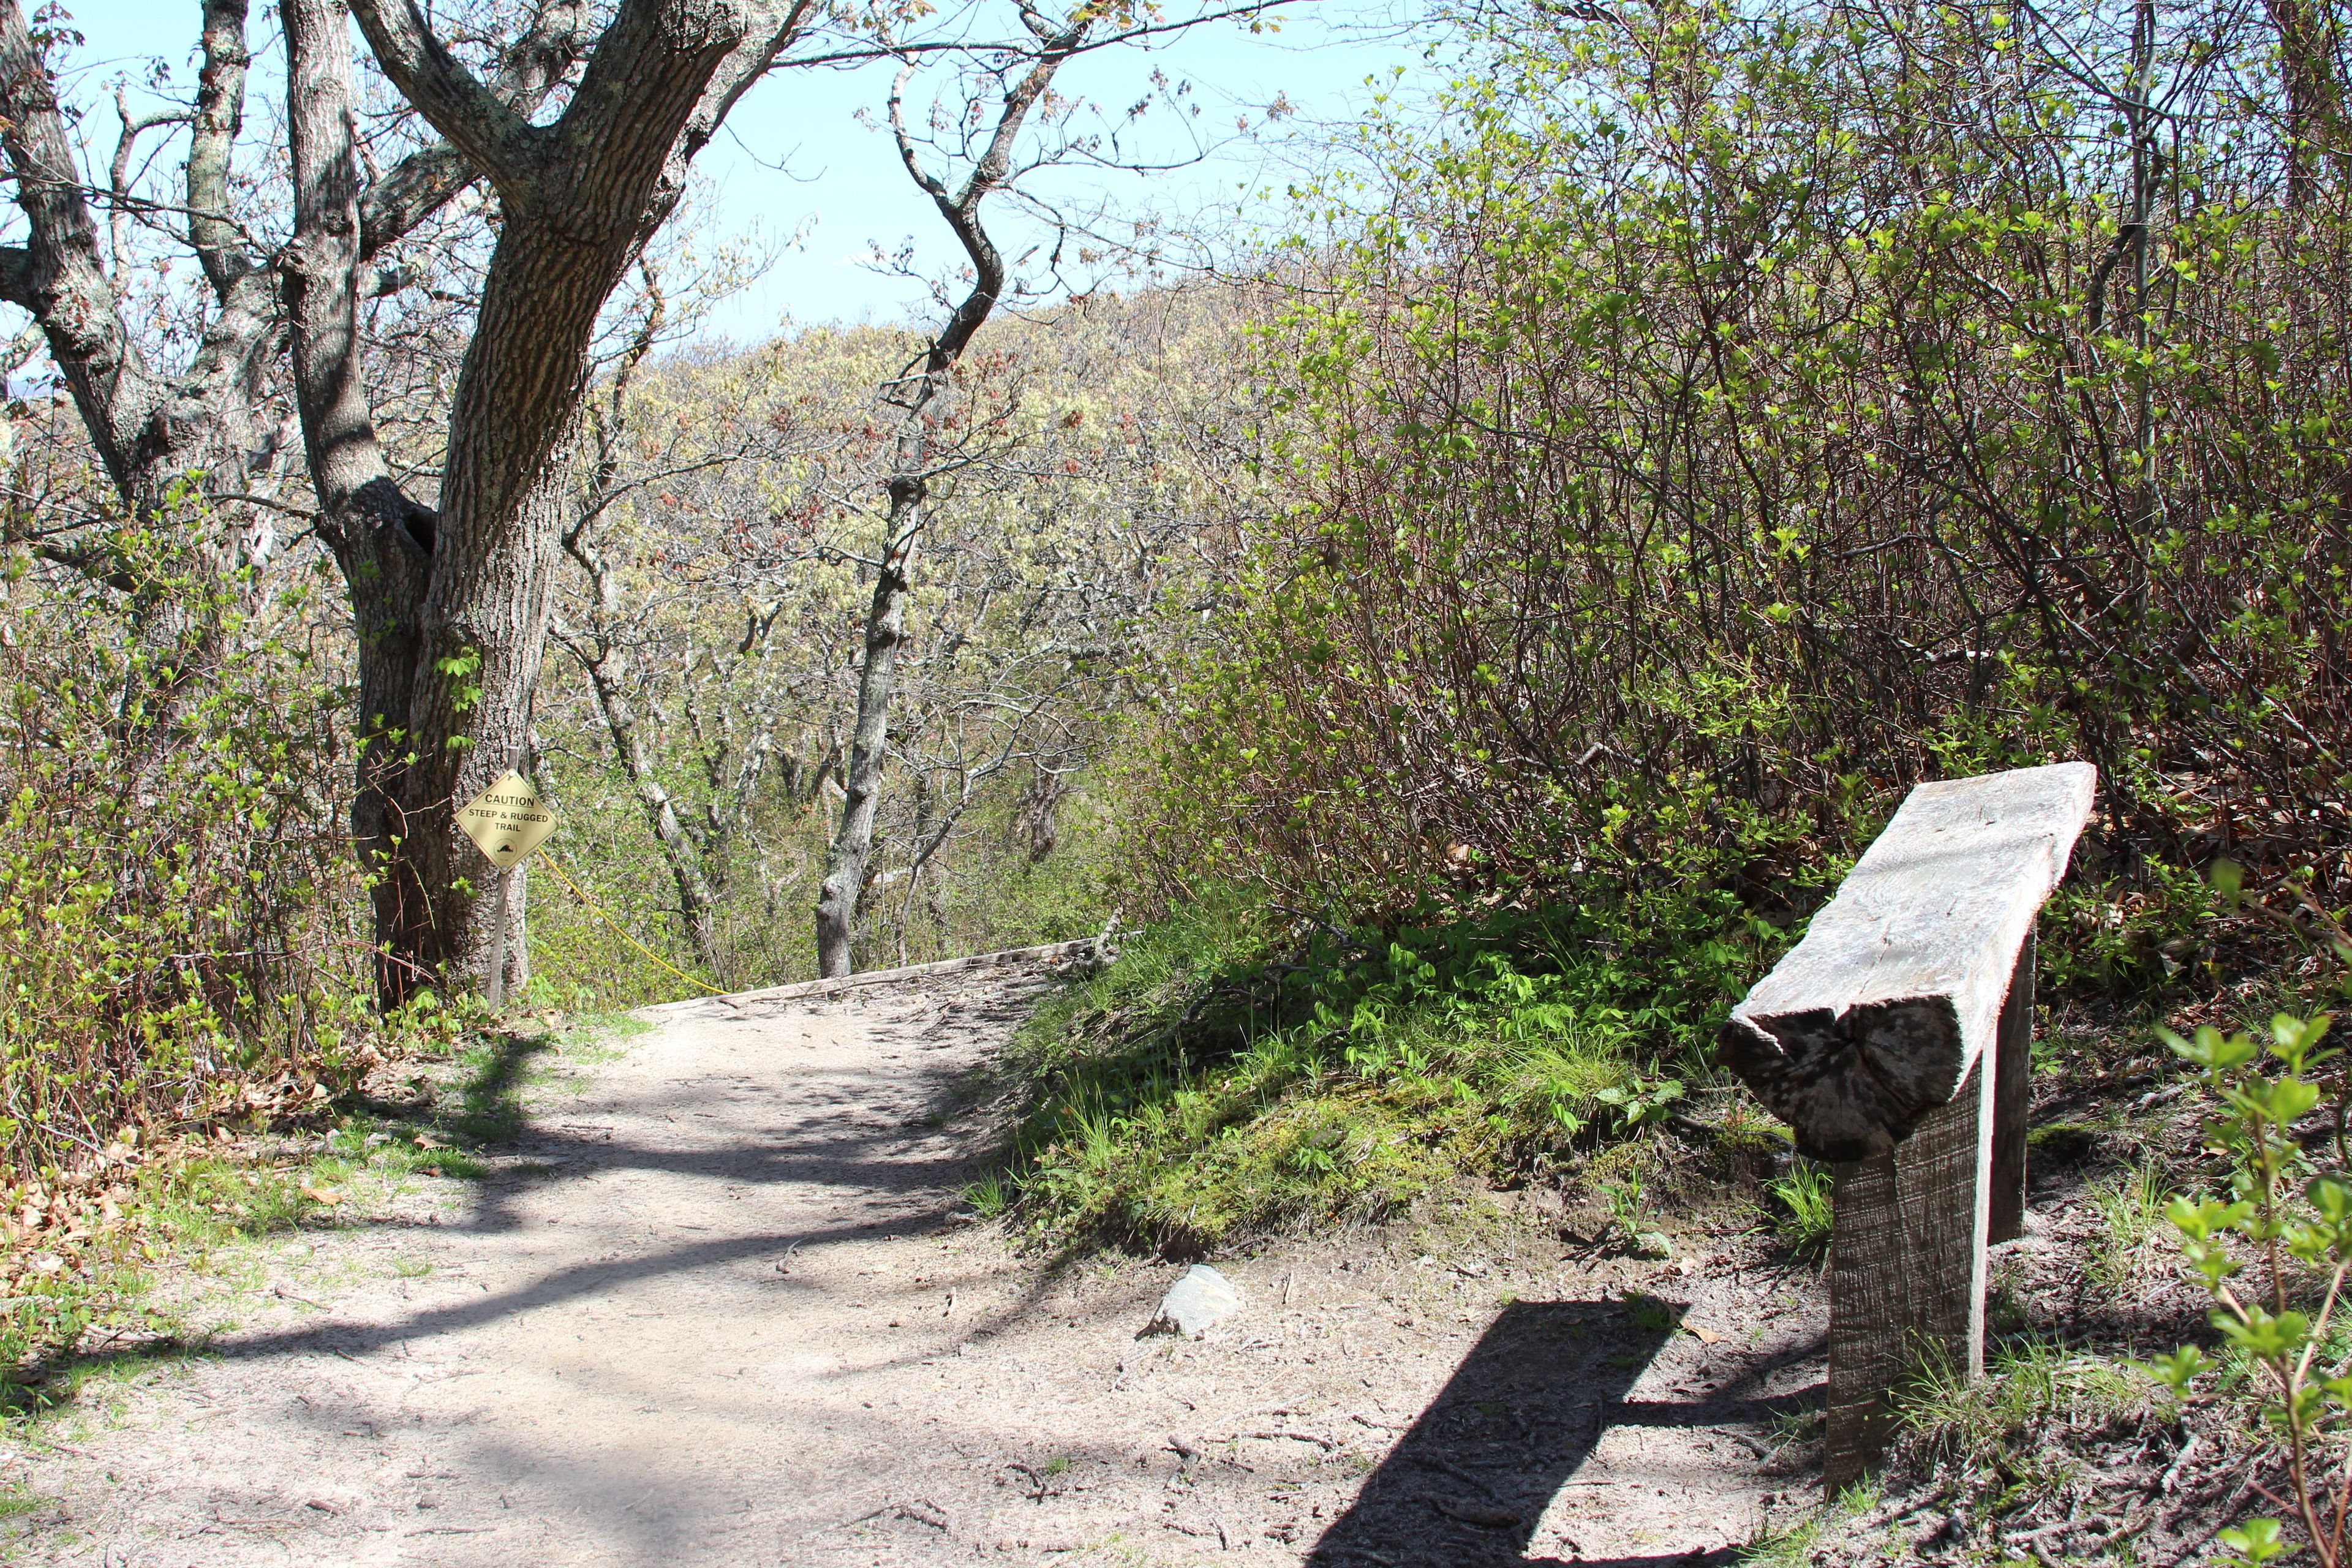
[(505, 822)]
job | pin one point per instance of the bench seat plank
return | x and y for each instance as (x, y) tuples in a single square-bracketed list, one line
[(1876, 1016)]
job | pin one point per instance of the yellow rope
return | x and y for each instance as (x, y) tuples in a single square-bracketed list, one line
[(549, 860)]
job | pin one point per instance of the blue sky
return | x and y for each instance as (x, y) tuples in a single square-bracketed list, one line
[(796, 173)]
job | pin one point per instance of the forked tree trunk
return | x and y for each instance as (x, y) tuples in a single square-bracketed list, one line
[(453, 603), (162, 437)]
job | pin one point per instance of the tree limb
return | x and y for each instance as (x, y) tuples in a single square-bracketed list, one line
[(417, 187), (490, 133), (66, 287), (125, 146), (220, 111)]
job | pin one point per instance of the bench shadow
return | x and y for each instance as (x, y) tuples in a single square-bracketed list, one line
[(1469, 1482)]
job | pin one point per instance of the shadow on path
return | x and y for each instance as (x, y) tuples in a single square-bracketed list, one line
[(1468, 1483)]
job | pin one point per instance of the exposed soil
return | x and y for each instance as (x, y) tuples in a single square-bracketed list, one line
[(719, 1308)]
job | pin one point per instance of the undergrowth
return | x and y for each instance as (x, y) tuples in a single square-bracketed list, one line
[(1231, 1071)]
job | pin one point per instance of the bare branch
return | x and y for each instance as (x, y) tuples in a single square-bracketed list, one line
[(491, 134), (125, 147), (416, 188), (870, 54)]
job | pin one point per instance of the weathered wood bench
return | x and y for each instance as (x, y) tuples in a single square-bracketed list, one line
[(1895, 1041)]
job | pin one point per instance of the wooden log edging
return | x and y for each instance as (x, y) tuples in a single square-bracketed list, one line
[(736, 1003), (1896, 1040)]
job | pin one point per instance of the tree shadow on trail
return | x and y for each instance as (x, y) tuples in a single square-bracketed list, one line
[(478, 1101), (1467, 1485)]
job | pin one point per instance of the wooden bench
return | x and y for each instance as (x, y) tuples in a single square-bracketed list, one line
[(1895, 1041)]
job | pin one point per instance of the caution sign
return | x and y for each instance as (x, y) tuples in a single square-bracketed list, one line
[(508, 820)]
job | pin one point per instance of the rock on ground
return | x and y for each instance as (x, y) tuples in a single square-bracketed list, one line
[(1197, 1302)]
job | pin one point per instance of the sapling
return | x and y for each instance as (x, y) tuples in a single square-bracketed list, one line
[(2293, 1223)]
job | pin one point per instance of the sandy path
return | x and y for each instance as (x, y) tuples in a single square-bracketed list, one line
[(713, 1312)]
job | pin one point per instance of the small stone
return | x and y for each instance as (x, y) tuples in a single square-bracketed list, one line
[(1197, 1303)]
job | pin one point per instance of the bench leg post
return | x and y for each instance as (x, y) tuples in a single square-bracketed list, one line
[(1907, 1271), (2012, 1093)]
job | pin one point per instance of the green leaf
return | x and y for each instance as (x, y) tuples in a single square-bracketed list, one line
[(2263, 1335), (2254, 1543), (2181, 1368), (2210, 1049), (2205, 1217)]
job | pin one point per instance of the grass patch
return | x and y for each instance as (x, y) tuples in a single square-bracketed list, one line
[(2027, 1387), (1803, 1211), (1229, 1074), (2130, 1207), (1793, 1547)]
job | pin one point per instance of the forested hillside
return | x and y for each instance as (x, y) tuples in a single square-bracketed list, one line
[(1460, 637)]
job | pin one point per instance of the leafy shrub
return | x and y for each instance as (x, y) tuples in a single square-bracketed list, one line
[(177, 898), (2291, 1221), (1693, 443)]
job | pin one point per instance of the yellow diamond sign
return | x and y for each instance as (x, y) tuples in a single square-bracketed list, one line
[(507, 820)]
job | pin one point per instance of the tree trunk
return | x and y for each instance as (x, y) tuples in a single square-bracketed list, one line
[(886, 629), (382, 541), (612, 668), (452, 603)]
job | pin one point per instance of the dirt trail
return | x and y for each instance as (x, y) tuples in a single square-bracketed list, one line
[(714, 1311)]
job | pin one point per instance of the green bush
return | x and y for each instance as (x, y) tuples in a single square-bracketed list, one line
[(1687, 438), (178, 905), (2275, 1252)]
